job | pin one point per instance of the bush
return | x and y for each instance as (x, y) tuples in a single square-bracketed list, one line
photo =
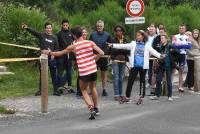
[(172, 17), (112, 13), (10, 27)]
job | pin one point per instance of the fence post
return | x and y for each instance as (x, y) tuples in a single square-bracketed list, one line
[(197, 73), (44, 83)]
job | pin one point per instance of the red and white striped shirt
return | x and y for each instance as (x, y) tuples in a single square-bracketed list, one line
[(85, 57)]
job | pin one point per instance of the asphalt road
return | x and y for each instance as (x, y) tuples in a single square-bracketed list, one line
[(182, 116)]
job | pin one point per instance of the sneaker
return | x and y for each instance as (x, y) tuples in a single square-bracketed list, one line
[(97, 113), (191, 89), (126, 100), (104, 93), (181, 90), (56, 93), (147, 85), (38, 93), (154, 98), (71, 91), (117, 98), (60, 91), (152, 93), (140, 100), (170, 99), (92, 114), (122, 97)]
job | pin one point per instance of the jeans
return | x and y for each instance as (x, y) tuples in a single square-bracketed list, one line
[(118, 75), (52, 63), (190, 73), (150, 71), (131, 79), (159, 80), (64, 64)]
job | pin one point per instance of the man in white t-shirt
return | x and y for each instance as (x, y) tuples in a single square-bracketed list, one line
[(181, 43), (151, 33), (151, 36)]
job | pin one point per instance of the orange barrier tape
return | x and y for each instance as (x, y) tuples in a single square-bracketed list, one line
[(17, 59), (20, 46)]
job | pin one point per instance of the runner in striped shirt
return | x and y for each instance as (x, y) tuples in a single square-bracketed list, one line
[(86, 61)]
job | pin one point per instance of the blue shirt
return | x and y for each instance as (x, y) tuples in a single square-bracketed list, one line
[(100, 39), (139, 55)]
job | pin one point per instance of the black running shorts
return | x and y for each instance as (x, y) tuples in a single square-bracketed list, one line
[(89, 78), (102, 64)]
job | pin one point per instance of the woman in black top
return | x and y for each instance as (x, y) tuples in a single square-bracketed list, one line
[(119, 58)]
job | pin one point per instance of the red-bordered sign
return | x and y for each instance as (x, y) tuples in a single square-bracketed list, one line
[(135, 7)]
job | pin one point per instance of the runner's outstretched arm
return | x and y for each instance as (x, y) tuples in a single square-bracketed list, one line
[(60, 53)]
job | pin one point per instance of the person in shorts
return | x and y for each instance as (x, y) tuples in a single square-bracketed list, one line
[(181, 43), (87, 68), (101, 37)]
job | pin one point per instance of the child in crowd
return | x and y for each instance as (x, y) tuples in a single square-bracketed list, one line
[(139, 62)]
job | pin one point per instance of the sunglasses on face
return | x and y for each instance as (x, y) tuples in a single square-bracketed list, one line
[(118, 30)]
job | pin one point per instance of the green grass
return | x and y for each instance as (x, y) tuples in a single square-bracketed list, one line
[(25, 80), (23, 83), (4, 110)]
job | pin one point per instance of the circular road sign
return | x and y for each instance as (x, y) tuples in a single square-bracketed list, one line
[(135, 8)]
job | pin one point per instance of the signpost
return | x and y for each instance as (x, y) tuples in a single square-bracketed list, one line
[(135, 9), (134, 20)]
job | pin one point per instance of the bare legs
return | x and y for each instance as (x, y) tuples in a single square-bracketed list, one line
[(84, 86)]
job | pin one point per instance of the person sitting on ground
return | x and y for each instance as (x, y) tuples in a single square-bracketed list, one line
[(87, 67)]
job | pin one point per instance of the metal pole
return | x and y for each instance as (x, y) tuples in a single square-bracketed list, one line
[(134, 31)]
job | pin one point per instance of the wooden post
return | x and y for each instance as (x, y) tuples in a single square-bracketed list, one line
[(197, 73), (44, 83)]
